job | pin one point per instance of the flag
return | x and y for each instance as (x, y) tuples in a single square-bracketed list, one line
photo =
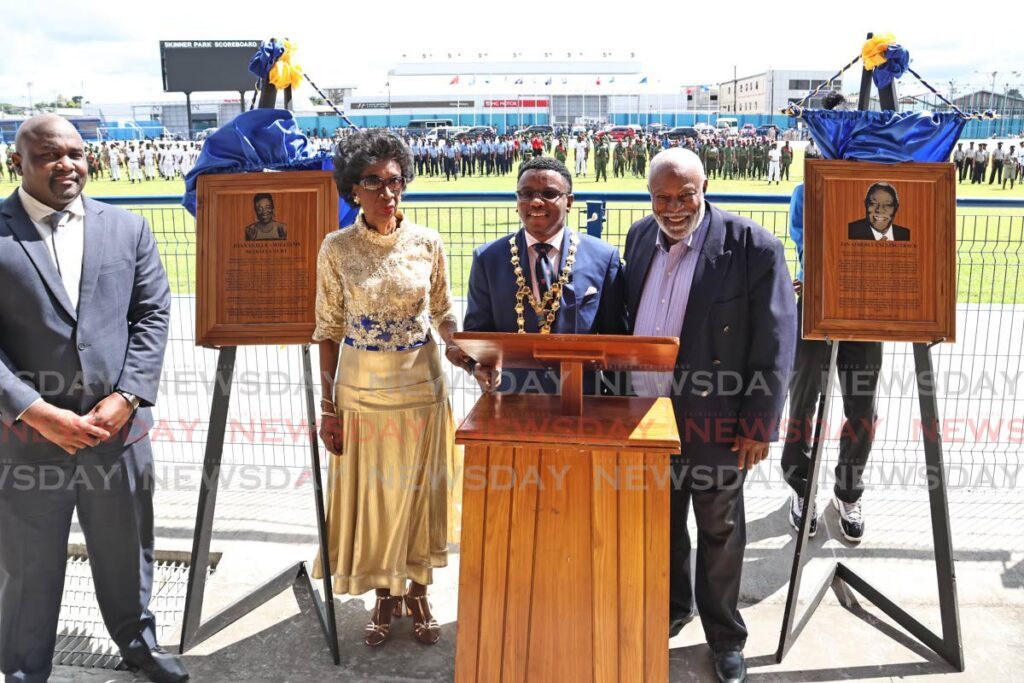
[(564, 81), (454, 81), (548, 82), (519, 81), (472, 81), (643, 80), (689, 91), (612, 79), (598, 80), (705, 88)]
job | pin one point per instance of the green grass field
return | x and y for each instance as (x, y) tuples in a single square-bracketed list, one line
[(991, 241)]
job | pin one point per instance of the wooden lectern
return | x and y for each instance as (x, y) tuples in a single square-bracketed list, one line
[(565, 534)]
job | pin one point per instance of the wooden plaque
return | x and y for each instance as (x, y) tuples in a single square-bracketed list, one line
[(257, 240), (861, 288)]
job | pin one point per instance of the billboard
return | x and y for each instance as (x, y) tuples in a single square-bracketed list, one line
[(207, 65)]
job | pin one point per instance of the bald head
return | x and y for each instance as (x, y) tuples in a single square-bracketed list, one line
[(50, 156), (41, 127), (680, 161)]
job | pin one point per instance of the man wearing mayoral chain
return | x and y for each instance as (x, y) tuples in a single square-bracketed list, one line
[(545, 278)]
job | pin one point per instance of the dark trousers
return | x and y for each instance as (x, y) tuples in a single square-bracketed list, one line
[(960, 170), (114, 498), (997, 172), (858, 365), (450, 169), (716, 494)]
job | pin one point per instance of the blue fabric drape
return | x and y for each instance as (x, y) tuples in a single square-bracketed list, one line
[(258, 140), (884, 136), (897, 61), (263, 60)]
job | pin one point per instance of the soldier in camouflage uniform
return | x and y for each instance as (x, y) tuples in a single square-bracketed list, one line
[(728, 160), (787, 159), (640, 159), (560, 151), (601, 158), (743, 160), (619, 160), (712, 163)]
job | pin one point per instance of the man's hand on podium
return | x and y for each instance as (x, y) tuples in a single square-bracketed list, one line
[(488, 377), (750, 452)]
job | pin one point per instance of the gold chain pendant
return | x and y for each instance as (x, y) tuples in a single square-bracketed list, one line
[(547, 308)]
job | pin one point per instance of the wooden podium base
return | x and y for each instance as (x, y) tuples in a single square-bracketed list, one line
[(565, 540)]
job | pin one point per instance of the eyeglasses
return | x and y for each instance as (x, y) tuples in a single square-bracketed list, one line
[(373, 183), (548, 195)]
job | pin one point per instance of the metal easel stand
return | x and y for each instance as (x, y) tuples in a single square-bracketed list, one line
[(193, 629), (949, 645)]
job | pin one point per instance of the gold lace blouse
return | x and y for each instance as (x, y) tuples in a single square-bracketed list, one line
[(381, 292)]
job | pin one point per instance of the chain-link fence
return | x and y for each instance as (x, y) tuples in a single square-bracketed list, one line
[(981, 397)]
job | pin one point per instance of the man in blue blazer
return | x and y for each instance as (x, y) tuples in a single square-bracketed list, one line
[(720, 283), (85, 307), (575, 279)]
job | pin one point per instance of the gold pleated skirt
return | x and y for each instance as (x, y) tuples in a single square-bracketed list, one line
[(388, 493)]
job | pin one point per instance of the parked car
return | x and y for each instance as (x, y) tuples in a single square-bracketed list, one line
[(480, 130), (536, 130), (683, 132), (748, 130), (767, 129), (704, 128), (620, 132), (655, 128)]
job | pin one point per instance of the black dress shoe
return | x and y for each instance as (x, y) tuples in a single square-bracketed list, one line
[(676, 623), (158, 665), (730, 667)]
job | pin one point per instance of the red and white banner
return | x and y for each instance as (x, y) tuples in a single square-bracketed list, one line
[(515, 104)]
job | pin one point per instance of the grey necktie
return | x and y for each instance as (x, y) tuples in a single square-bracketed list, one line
[(55, 219)]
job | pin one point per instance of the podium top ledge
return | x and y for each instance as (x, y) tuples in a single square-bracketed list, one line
[(595, 351)]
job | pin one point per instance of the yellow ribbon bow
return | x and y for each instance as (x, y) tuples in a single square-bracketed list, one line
[(873, 52), (284, 74)]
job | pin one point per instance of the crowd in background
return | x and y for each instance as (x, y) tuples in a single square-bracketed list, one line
[(724, 156), (131, 161)]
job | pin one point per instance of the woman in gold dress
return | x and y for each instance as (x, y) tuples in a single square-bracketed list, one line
[(381, 284)]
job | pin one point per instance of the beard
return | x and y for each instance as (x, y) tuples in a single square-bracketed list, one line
[(680, 231)]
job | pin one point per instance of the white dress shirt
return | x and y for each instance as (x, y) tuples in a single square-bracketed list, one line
[(67, 246), (883, 236), (553, 256)]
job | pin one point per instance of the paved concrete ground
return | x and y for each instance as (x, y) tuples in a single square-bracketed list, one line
[(259, 533), (265, 521)]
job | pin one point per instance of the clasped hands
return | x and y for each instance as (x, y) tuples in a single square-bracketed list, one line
[(73, 432)]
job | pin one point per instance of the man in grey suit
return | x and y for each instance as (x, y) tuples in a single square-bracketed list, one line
[(85, 307)]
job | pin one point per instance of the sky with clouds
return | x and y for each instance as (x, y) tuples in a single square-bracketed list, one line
[(110, 51)]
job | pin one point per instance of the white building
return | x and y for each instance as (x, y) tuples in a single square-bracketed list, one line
[(768, 92)]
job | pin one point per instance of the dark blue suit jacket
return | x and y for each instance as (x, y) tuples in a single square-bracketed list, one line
[(738, 338), (592, 300)]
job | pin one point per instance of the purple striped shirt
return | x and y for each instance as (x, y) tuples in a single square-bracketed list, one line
[(664, 298)]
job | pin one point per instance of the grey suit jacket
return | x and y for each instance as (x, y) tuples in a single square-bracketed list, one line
[(75, 358)]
